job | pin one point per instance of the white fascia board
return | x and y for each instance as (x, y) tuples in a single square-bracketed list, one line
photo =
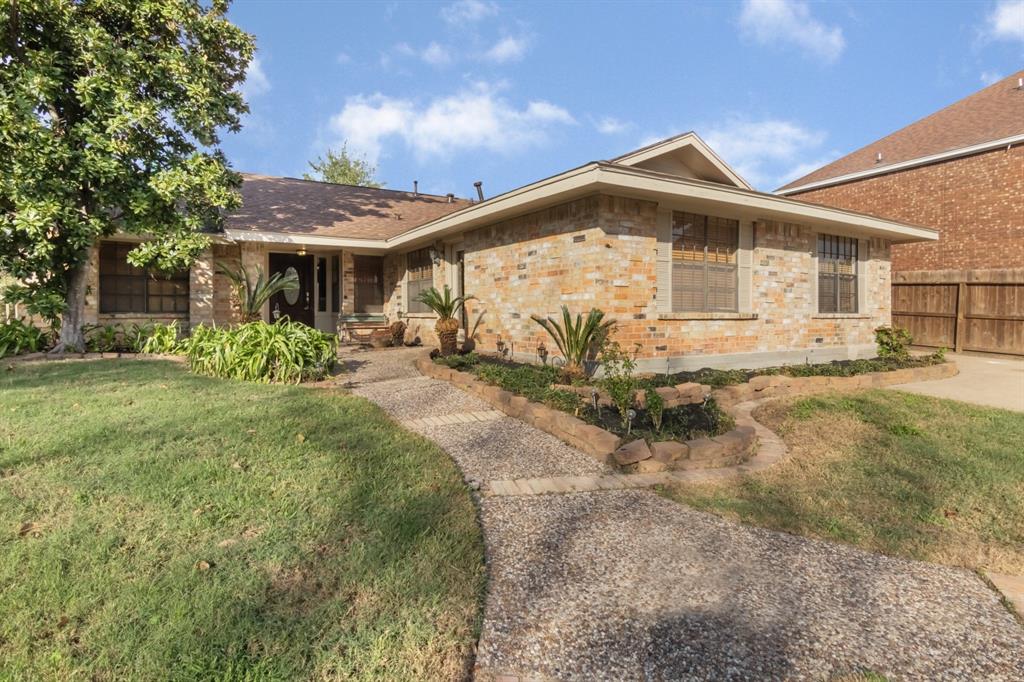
[(758, 205), (903, 165), (305, 240)]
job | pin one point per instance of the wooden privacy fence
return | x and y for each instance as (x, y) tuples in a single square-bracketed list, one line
[(962, 310)]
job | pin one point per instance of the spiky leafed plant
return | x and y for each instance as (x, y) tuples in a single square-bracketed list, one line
[(447, 308), (253, 294), (578, 340)]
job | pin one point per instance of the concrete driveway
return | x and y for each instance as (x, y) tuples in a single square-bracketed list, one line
[(993, 381)]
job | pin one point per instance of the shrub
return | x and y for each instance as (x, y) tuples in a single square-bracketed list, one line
[(459, 362), (285, 352), (134, 338), (892, 342), (162, 339), (578, 341), (18, 336), (103, 338), (618, 380), (655, 407), (252, 294)]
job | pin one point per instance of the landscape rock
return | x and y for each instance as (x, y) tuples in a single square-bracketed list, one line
[(669, 451), (634, 451)]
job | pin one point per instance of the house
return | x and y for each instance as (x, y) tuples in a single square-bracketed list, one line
[(697, 267), (960, 170)]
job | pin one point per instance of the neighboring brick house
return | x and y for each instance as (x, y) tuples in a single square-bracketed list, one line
[(961, 171), (694, 265)]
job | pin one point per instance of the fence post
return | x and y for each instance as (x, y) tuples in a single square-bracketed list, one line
[(961, 316)]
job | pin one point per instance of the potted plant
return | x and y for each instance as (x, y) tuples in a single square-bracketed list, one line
[(446, 307)]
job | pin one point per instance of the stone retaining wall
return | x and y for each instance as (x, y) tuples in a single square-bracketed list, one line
[(728, 449)]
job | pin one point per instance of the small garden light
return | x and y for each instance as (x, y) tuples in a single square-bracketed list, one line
[(542, 353)]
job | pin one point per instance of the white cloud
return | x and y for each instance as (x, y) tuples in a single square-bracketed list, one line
[(990, 77), (343, 58), (436, 54), (610, 125), (473, 119), (771, 21), (468, 11), (767, 153), (1006, 21), (256, 81), (507, 49)]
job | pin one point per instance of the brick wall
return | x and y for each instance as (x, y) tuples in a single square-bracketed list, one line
[(601, 252), (974, 201)]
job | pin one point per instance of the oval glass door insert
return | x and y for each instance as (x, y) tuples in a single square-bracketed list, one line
[(291, 296)]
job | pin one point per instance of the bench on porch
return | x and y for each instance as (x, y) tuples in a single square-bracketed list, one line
[(357, 328)]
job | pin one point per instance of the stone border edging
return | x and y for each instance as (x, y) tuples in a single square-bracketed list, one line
[(778, 385), (730, 448), (28, 358), (735, 447)]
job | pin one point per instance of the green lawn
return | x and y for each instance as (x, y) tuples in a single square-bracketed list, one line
[(159, 525), (908, 475)]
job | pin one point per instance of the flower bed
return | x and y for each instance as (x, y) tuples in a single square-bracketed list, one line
[(697, 429)]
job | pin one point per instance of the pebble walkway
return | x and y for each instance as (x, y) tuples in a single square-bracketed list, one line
[(592, 577)]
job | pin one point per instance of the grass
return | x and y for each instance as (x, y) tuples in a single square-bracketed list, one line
[(160, 525), (901, 474)]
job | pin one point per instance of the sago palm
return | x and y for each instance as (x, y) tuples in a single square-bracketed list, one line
[(578, 340), (446, 306), (253, 294)]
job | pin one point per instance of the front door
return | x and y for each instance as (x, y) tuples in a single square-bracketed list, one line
[(297, 304), (368, 273)]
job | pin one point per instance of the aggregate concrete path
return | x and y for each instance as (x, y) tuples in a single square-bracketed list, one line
[(624, 584)]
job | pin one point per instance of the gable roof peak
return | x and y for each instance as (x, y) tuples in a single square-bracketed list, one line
[(685, 155)]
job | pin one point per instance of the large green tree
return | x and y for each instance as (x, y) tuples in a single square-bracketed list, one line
[(343, 168), (110, 112)]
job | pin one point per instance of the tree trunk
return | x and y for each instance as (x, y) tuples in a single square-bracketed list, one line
[(71, 338)]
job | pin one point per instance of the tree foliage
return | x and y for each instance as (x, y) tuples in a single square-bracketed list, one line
[(343, 169), (110, 114)]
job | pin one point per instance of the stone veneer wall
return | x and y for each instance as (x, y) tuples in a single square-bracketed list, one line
[(601, 251)]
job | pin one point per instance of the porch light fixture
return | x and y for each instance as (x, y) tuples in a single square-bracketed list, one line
[(301, 251), (435, 256)]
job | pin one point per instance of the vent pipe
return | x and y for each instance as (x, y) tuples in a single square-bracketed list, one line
[(878, 157), (451, 197), (415, 188), (1020, 83), (479, 189)]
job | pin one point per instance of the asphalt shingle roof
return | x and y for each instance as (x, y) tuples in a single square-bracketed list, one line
[(306, 207), (994, 113)]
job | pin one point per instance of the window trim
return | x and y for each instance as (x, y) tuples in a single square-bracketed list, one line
[(148, 276)]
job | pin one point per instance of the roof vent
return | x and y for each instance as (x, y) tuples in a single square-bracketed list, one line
[(451, 197), (878, 157), (1020, 83), (415, 188), (479, 189)]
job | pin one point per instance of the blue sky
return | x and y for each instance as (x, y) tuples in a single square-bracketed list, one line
[(508, 93)]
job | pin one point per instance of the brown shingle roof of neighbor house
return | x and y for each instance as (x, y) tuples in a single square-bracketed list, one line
[(993, 113), (308, 207)]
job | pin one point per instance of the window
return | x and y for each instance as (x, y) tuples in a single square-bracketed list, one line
[(321, 284), (335, 284), (421, 278), (837, 274), (125, 288), (704, 273)]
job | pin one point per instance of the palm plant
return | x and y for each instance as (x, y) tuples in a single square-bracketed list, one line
[(253, 294), (578, 340), (446, 306)]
